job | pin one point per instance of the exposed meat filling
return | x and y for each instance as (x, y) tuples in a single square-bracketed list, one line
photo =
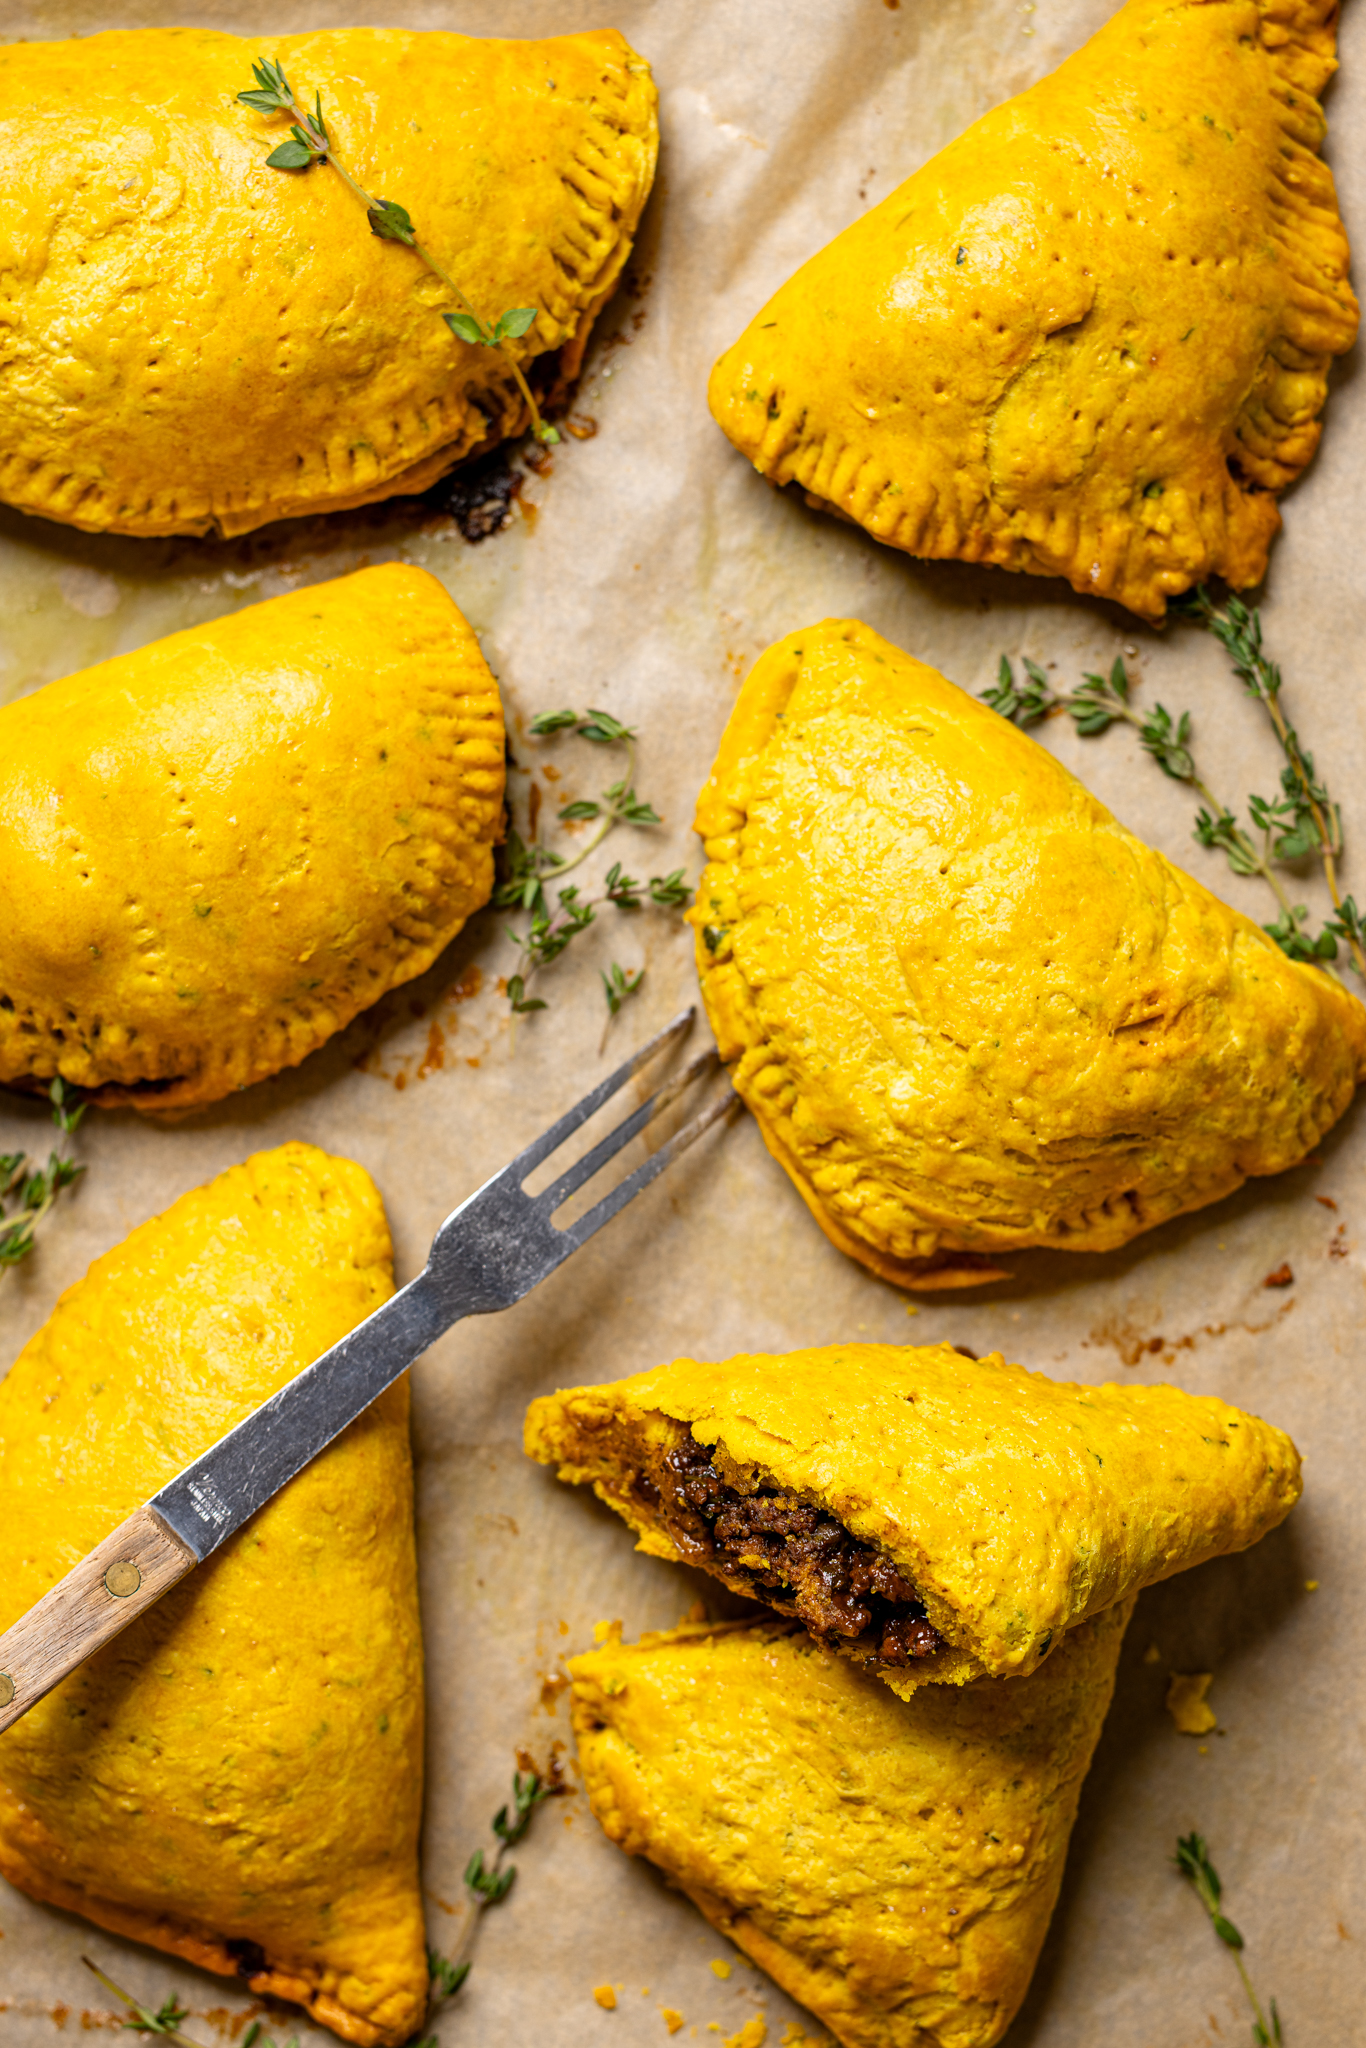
[(797, 1556)]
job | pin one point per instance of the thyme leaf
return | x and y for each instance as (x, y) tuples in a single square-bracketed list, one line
[(309, 144), (28, 1191), (1192, 1859)]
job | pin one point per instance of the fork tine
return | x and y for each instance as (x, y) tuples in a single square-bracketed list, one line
[(584, 1169), (550, 1141), (579, 1233)]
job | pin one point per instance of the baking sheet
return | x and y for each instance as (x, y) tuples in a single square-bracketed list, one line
[(645, 573)]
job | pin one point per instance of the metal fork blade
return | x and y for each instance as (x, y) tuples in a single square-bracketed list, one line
[(630, 1127), (550, 1141), (489, 1253), (604, 1210)]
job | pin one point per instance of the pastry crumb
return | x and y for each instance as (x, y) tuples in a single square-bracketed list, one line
[(753, 2034), (720, 1967), (606, 1997), (1186, 1702), (1152, 1655), (1311, 1585), (1282, 1277), (673, 2020), (606, 1632)]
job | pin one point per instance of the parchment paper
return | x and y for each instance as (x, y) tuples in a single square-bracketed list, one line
[(645, 574)]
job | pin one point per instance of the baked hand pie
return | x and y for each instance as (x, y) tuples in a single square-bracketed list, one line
[(931, 1517), (237, 1778), (970, 1011), (891, 1864), (215, 851), (198, 343), (1091, 338)]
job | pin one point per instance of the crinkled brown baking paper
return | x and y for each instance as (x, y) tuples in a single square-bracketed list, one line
[(645, 574)]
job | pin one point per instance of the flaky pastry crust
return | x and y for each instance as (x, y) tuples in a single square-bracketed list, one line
[(215, 851), (1091, 338), (969, 1010), (237, 1778), (1015, 1505), (893, 1866), (193, 342)]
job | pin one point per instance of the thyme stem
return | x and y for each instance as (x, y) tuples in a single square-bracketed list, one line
[(1192, 1859), (530, 867), (164, 2024), (1301, 820), (1239, 631)]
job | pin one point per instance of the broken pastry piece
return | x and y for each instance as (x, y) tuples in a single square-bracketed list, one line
[(237, 1779), (199, 343), (929, 1516), (970, 1011), (1091, 338), (218, 849), (891, 1864)]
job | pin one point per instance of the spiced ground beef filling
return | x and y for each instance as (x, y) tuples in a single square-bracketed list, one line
[(795, 1556)]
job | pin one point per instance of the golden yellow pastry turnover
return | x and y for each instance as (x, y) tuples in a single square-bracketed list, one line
[(1091, 338), (237, 1779), (214, 852), (932, 1517), (196, 342), (892, 1864), (970, 1012)]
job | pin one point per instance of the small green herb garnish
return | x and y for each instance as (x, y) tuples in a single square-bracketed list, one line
[(309, 144), (1302, 822), (530, 866), (165, 2022), (1192, 1860), (486, 1883), (33, 1189)]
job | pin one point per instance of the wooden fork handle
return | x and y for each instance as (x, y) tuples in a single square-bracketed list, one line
[(113, 1583)]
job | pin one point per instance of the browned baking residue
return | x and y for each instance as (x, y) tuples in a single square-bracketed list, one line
[(1327, 1201), (1282, 1277), (1337, 1246), (435, 1056), (533, 809), (551, 1688), (1133, 1344), (551, 1774), (582, 425)]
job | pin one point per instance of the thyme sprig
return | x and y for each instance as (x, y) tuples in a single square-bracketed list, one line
[(1300, 822), (530, 866), (309, 144), (486, 1883), (1193, 1861), (164, 2023), (32, 1188), (1304, 817)]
